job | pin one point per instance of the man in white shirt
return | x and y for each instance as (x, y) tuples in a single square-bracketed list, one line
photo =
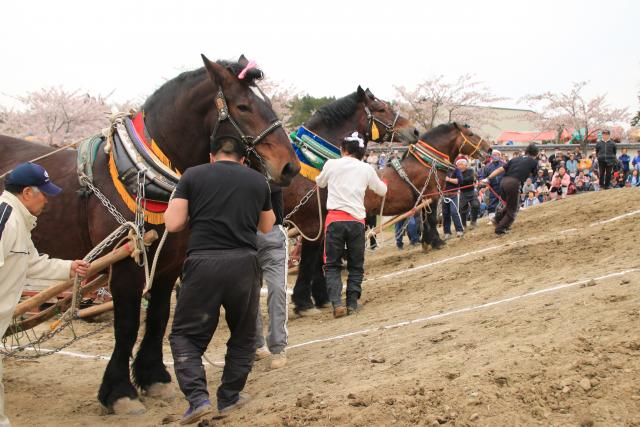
[(24, 198), (347, 178)]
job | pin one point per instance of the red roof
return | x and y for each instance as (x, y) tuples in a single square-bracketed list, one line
[(524, 137)]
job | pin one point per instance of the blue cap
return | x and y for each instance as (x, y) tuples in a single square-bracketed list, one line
[(33, 175)]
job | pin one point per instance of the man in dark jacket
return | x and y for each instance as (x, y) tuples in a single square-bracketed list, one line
[(515, 173), (496, 162), (468, 197), (606, 153)]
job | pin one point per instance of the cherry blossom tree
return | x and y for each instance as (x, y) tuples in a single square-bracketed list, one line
[(574, 109), (437, 100), (281, 96), (55, 116)]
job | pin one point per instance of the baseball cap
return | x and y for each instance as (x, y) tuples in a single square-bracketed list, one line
[(33, 175)]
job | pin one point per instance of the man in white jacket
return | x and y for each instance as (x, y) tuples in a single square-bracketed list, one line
[(24, 198), (347, 180)]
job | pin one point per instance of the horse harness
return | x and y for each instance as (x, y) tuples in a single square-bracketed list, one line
[(373, 134), (249, 142)]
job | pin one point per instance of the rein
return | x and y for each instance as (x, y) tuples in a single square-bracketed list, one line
[(373, 134), (249, 142), (466, 141)]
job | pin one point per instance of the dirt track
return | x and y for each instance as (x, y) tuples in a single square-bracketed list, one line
[(568, 356)]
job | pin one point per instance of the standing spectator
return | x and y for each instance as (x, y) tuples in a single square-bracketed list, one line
[(636, 161), (224, 203), (633, 180), (382, 161), (410, 227), (515, 173), (556, 158), (572, 165), (625, 160), (496, 162), (347, 180), (560, 183), (578, 154), (606, 153)]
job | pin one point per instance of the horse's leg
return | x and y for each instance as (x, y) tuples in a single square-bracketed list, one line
[(426, 235), (117, 393), (301, 297), (149, 371), (432, 218)]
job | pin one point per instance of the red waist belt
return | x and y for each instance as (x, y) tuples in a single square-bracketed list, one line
[(335, 216)]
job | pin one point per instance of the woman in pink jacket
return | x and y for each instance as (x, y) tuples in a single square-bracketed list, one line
[(560, 183)]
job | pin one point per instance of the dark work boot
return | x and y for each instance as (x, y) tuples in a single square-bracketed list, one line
[(352, 302)]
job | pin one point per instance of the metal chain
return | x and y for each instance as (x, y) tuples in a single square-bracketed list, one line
[(301, 203), (107, 204)]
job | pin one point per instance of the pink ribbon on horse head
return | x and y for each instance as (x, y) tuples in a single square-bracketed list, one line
[(249, 66)]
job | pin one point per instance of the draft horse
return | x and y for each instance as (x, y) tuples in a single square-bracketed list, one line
[(181, 117), (378, 122)]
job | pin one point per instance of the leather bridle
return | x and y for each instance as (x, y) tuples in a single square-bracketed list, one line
[(389, 129)]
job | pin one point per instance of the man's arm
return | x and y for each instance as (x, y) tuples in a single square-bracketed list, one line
[(495, 173), (376, 184), (177, 215), (323, 179), (266, 221)]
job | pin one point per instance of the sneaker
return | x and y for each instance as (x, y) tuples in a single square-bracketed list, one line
[(193, 415), (459, 233), (278, 360), (308, 312), (262, 353), (339, 311), (447, 236), (242, 399)]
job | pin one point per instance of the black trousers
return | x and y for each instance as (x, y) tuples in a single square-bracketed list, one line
[(340, 234), (605, 169), (469, 200), (310, 281), (210, 280), (510, 193)]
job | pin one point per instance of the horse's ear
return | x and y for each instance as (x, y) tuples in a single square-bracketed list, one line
[(242, 60), (455, 125), (369, 94), (362, 96), (216, 72)]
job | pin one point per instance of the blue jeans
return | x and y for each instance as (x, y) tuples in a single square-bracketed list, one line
[(449, 212), (412, 231)]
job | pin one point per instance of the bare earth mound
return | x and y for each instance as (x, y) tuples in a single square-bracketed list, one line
[(538, 327)]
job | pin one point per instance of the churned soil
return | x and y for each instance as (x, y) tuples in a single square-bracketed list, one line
[(537, 327)]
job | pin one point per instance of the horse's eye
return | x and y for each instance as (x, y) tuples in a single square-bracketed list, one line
[(244, 108)]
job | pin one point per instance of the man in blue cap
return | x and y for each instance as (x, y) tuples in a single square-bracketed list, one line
[(23, 200)]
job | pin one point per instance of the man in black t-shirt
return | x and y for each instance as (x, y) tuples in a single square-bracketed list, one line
[(225, 204), (515, 173)]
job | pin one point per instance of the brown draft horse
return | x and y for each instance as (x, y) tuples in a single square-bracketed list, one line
[(180, 116), (450, 139), (333, 122)]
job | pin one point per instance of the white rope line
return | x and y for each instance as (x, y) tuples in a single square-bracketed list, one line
[(466, 309)]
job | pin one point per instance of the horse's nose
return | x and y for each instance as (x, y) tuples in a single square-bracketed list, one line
[(416, 133), (291, 169)]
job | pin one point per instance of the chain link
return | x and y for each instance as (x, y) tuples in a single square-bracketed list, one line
[(301, 203)]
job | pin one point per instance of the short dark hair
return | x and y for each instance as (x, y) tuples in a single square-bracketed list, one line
[(606, 132), (14, 189), (229, 145), (352, 146), (531, 150)]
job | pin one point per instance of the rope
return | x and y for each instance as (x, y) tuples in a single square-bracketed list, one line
[(287, 220), (44, 156)]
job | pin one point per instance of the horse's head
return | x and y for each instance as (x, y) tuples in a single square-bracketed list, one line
[(384, 124), (241, 108), (470, 144)]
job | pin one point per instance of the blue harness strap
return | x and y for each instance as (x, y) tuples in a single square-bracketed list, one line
[(5, 213)]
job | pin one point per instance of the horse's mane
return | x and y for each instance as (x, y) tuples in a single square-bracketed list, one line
[(437, 132), (339, 110), (172, 87)]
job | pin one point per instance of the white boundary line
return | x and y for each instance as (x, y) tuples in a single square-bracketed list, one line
[(465, 309), (615, 218)]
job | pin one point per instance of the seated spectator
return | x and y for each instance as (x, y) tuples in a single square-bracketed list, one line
[(595, 181), (633, 180), (619, 179), (530, 200), (625, 160), (540, 179), (527, 187), (584, 163), (560, 183), (572, 165), (542, 193), (582, 181)]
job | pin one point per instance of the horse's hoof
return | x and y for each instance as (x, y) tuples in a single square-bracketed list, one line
[(128, 406), (164, 391), (425, 247)]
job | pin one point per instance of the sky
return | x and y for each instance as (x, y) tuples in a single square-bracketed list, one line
[(325, 48)]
